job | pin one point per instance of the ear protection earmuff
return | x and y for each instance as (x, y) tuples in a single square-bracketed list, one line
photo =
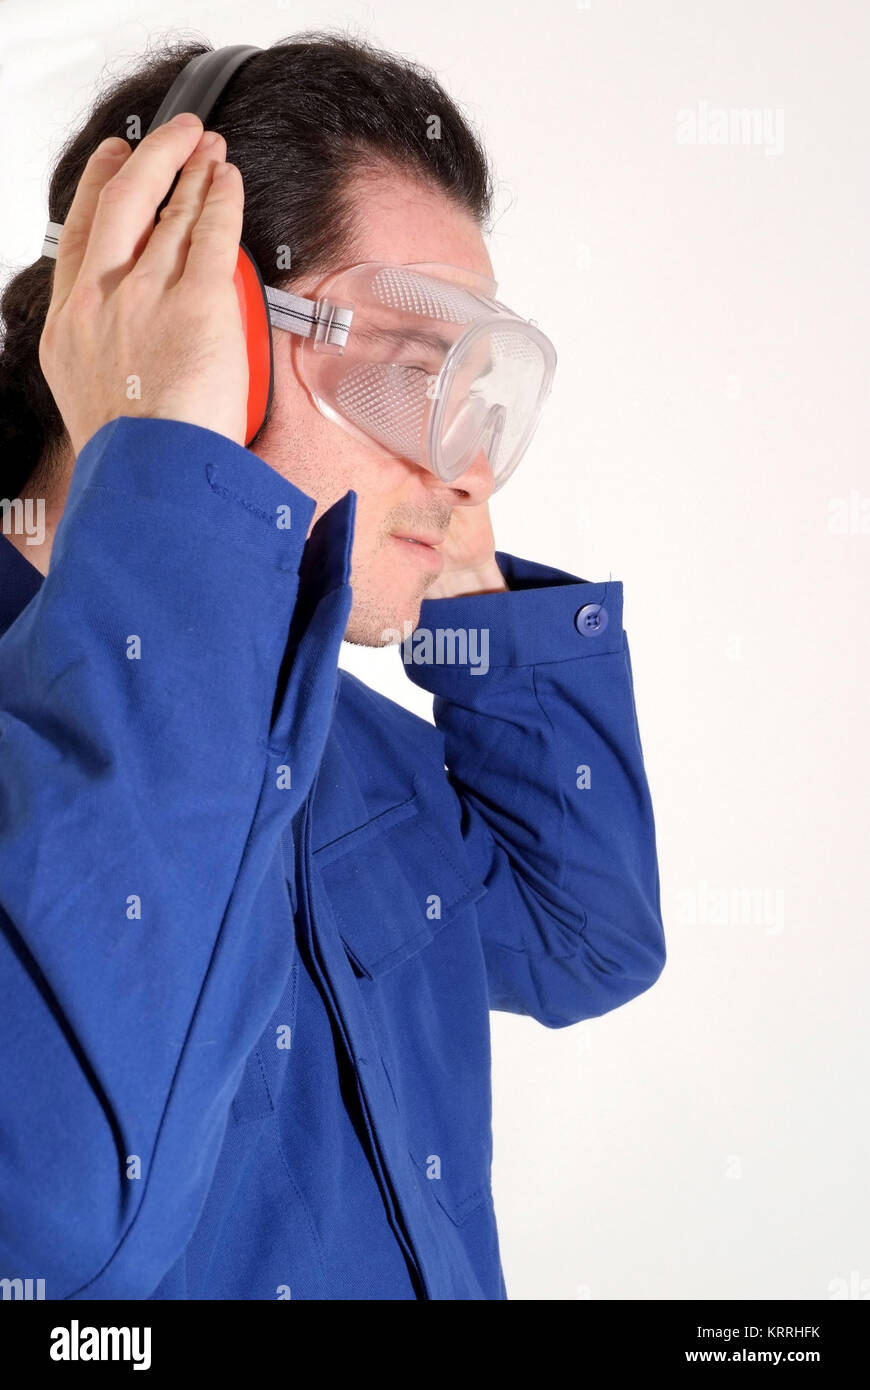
[(197, 89), (263, 307)]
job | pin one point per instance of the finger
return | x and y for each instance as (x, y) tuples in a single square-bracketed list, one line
[(214, 240), (165, 254), (103, 164), (128, 203)]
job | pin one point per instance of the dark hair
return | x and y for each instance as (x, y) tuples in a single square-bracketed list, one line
[(300, 119)]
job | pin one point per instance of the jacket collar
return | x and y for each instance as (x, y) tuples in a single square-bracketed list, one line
[(19, 582)]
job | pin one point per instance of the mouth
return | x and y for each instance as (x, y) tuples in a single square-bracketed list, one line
[(430, 538), (424, 547)]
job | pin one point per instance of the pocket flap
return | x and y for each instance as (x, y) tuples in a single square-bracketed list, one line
[(393, 884)]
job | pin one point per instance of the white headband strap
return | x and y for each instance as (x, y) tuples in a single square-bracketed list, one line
[(305, 317)]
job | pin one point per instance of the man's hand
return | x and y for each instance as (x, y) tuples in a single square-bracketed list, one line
[(469, 554), (144, 320)]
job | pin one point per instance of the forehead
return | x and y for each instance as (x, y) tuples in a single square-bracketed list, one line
[(401, 219)]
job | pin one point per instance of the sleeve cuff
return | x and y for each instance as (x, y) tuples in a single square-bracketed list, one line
[(222, 487), (546, 615)]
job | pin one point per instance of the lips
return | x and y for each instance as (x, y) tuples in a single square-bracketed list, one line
[(431, 540), (424, 548)]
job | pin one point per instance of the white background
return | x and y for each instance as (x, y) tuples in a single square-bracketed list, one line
[(709, 305)]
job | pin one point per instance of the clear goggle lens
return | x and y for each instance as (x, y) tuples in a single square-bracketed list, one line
[(432, 371)]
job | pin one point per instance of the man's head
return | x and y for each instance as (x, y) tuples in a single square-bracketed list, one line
[(347, 154), (399, 219)]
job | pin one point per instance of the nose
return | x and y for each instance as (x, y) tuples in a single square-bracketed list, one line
[(472, 486), (476, 431)]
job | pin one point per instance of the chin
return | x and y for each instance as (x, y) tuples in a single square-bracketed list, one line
[(379, 621)]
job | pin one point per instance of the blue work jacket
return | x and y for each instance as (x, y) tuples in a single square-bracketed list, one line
[(254, 915)]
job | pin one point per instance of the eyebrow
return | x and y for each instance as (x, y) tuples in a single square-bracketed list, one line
[(400, 336)]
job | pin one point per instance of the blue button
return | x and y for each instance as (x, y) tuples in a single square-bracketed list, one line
[(591, 620)]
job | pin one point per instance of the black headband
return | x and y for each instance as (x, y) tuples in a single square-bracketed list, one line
[(200, 83)]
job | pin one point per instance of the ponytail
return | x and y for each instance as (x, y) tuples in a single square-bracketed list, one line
[(31, 427)]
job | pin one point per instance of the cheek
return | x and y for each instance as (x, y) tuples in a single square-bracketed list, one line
[(309, 452), (325, 462), (345, 464), (376, 497)]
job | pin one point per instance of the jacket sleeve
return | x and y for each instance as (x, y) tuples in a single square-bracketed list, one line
[(543, 750), (164, 701)]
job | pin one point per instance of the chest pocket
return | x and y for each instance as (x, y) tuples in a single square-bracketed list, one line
[(393, 885), (401, 894)]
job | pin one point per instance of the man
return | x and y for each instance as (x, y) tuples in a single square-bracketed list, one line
[(254, 914)]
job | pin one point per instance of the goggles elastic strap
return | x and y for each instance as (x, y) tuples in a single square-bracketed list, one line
[(322, 320), (307, 318)]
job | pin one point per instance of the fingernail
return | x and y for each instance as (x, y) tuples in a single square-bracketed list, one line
[(185, 118), (210, 137)]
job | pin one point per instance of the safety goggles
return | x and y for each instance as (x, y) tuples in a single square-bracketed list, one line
[(422, 361)]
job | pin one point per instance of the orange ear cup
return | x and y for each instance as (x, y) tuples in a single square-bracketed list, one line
[(258, 335)]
